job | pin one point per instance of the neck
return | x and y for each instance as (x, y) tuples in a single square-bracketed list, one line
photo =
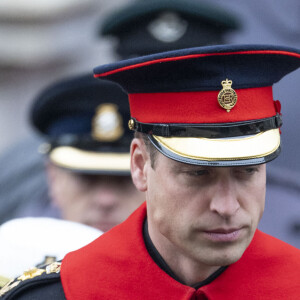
[(188, 270)]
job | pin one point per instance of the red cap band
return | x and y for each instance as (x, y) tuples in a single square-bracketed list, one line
[(201, 106)]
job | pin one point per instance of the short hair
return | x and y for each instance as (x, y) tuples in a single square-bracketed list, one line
[(152, 151)]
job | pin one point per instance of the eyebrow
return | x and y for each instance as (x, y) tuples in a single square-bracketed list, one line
[(182, 166)]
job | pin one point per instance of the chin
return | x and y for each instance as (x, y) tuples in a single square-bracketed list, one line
[(225, 260), (223, 255)]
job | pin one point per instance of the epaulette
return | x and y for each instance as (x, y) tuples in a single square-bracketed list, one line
[(30, 278)]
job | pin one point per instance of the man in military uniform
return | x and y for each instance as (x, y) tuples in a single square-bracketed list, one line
[(206, 125)]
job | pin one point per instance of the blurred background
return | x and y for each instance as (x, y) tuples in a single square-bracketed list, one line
[(44, 41)]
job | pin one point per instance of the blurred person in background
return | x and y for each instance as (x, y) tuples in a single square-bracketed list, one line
[(87, 146), (40, 43), (83, 122)]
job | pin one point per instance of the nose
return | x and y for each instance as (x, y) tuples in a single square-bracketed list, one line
[(224, 200), (106, 198)]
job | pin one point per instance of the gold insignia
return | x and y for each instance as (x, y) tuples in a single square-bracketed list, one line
[(53, 268), (227, 97), (10, 285), (31, 273), (107, 124), (131, 124)]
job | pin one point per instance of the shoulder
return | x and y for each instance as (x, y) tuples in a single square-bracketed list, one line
[(276, 256), (275, 247), (42, 283)]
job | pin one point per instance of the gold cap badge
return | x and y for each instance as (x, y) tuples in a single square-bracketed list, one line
[(107, 124), (227, 97)]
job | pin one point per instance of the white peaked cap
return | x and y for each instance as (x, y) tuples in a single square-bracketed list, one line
[(25, 242)]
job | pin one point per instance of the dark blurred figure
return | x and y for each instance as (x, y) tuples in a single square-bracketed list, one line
[(146, 27)]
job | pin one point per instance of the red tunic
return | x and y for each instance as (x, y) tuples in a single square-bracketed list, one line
[(118, 266)]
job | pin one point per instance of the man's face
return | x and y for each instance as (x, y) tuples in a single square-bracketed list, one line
[(207, 214), (97, 200)]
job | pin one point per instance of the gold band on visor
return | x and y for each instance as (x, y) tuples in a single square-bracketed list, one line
[(75, 159), (241, 148)]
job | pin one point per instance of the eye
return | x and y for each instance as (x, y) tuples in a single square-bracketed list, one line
[(247, 170), (251, 170), (200, 172)]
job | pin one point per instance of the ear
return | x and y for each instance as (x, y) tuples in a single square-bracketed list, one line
[(140, 160)]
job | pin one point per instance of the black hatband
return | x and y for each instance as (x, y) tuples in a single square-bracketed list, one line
[(216, 130)]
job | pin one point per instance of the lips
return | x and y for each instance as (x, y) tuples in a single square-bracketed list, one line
[(223, 235)]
